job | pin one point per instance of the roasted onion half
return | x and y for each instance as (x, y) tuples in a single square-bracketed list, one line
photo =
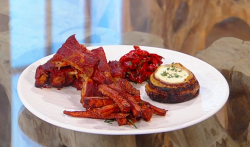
[(172, 83)]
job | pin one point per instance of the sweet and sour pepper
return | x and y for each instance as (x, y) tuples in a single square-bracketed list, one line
[(139, 64)]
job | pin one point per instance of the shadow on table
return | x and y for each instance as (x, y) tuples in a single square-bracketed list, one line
[(5, 119), (46, 134)]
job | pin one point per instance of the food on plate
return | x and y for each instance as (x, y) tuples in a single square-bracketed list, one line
[(96, 102), (105, 92), (71, 64), (117, 103), (139, 64), (172, 83)]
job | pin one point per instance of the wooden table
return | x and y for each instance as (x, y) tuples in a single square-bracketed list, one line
[(178, 25), (229, 127)]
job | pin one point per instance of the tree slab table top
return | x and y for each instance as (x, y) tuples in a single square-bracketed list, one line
[(228, 128)]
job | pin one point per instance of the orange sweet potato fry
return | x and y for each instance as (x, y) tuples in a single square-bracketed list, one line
[(96, 102), (156, 110), (128, 87), (137, 98), (121, 121), (147, 113), (85, 114), (135, 108), (117, 115), (92, 114), (119, 100), (107, 110), (131, 120)]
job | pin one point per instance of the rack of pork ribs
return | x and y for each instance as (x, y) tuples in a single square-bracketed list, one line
[(105, 93)]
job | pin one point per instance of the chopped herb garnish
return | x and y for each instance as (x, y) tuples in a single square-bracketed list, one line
[(173, 72), (109, 121), (172, 65), (164, 73), (170, 76), (130, 62), (132, 122), (173, 68), (141, 103), (176, 75)]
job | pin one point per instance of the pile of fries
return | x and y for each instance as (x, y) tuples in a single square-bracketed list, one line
[(122, 102)]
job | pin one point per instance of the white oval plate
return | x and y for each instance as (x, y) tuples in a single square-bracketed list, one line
[(49, 103)]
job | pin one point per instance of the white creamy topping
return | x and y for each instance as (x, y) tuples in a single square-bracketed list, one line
[(171, 74)]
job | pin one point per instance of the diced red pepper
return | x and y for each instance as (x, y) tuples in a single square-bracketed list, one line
[(139, 64)]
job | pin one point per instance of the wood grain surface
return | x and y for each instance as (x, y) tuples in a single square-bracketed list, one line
[(175, 24), (184, 25)]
